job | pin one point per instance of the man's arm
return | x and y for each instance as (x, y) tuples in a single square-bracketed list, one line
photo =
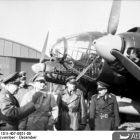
[(83, 110), (12, 112), (54, 107), (116, 113), (92, 110)]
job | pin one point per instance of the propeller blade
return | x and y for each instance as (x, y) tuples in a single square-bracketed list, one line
[(128, 64), (114, 17), (65, 49), (44, 49)]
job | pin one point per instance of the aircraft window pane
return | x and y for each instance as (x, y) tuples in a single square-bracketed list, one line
[(58, 50), (81, 53), (76, 49)]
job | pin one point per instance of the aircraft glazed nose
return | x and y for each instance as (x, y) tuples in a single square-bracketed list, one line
[(105, 44), (39, 67)]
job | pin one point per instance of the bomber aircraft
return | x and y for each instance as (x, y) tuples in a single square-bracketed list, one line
[(97, 56)]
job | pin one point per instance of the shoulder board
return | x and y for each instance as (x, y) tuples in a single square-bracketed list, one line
[(112, 94), (94, 96)]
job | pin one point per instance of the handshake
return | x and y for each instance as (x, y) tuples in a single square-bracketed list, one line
[(31, 96), (36, 96)]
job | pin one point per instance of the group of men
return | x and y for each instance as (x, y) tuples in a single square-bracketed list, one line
[(34, 107)]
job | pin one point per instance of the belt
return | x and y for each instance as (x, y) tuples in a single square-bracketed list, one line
[(104, 115)]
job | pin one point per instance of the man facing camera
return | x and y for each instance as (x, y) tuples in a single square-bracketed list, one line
[(46, 108), (104, 113), (72, 107)]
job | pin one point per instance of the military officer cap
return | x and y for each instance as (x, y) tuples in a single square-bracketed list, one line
[(102, 85), (13, 78), (39, 77), (22, 75), (72, 80)]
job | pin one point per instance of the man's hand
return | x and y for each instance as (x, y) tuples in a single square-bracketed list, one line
[(36, 96)]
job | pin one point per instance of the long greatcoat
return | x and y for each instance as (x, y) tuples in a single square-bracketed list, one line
[(104, 114), (11, 112), (43, 117), (72, 110)]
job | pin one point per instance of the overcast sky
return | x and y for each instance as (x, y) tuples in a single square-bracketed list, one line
[(28, 21)]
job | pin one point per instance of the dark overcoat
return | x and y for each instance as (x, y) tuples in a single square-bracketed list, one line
[(72, 110), (42, 118), (11, 112), (104, 113)]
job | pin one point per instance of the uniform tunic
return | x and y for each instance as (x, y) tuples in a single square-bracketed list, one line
[(42, 118), (11, 112), (104, 114), (72, 110)]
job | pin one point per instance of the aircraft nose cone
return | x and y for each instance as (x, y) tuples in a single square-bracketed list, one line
[(39, 67), (105, 44)]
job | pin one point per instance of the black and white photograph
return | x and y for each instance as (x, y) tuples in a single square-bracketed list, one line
[(69, 65)]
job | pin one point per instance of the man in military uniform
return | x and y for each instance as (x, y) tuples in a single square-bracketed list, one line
[(23, 87), (72, 107), (104, 113), (47, 110), (10, 110)]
